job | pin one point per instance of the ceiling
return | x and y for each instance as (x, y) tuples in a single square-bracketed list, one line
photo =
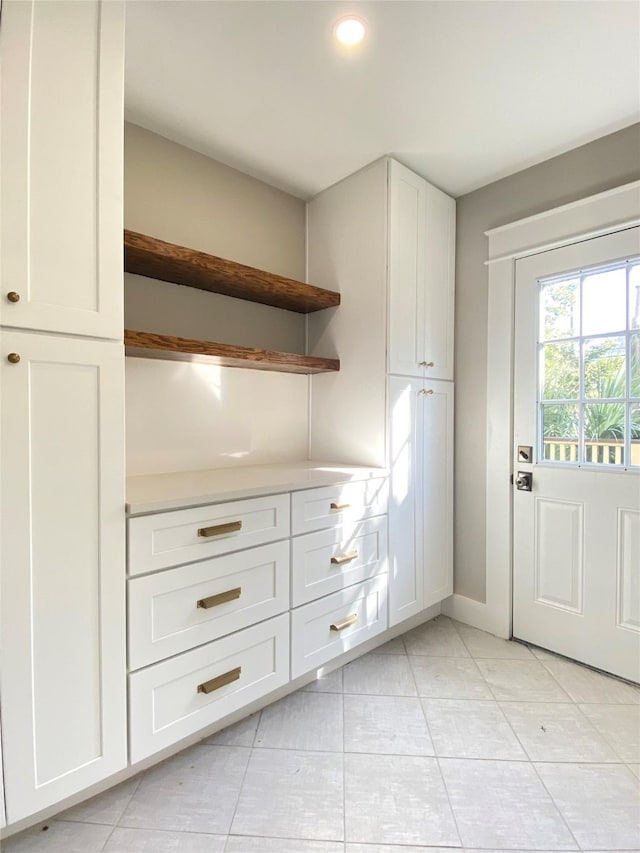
[(464, 93)]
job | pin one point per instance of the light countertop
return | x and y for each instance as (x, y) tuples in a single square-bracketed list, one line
[(159, 492)]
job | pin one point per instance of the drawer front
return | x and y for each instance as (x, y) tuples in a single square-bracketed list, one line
[(187, 535), (177, 697), (330, 560), (362, 609), (316, 509), (175, 610)]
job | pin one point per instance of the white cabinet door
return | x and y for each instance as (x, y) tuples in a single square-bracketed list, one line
[(62, 595), (436, 484), (421, 495), (406, 516), (421, 276), (61, 107)]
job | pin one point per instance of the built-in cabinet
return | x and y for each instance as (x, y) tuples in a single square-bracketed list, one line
[(62, 685), (385, 239), (232, 600)]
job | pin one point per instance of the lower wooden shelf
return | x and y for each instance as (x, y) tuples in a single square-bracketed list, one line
[(167, 347)]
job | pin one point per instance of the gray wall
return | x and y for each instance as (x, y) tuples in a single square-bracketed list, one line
[(178, 195), (608, 162)]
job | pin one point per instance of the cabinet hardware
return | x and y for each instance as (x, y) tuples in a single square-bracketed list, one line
[(13, 358), (425, 364), (220, 681), (336, 505), (220, 598), (344, 558), (220, 529), (340, 626), (425, 391), (12, 296)]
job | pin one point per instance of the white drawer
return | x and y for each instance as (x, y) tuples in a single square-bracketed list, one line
[(175, 610), (186, 535), (166, 704), (333, 559), (314, 641), (315, 509)]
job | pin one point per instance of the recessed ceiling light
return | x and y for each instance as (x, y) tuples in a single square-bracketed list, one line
[(350, 30)]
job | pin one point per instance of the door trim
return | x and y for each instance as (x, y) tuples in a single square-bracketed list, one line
[(584, 219)]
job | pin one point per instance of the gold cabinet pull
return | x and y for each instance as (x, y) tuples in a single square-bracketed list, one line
[(13, 358), (340, 626), (12, 296), (336, 505), (220, 598), (220, 681), (425, 364), (220, 529), (344, 558)]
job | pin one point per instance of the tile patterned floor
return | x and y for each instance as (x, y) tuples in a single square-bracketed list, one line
[(444, 738)]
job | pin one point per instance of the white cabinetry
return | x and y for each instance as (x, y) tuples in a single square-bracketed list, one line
[(208, 638), (385, 239), (62, 584), (61, 162), (422, 222), (421, 507), (62, 553)]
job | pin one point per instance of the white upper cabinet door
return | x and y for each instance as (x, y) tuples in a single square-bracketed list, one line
[(436, 484), (62, 594), (407, 269), (421, 276), (61, 107), (439, 302)]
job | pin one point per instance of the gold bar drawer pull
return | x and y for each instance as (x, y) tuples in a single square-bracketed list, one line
[(341, 559), (220, 681), (336, 505), (340, 626), (220, 529), (220, 598)]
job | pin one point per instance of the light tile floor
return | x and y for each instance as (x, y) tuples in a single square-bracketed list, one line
[(444, 738)]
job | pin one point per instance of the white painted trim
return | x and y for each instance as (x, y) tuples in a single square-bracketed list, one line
[(580, 220), (596, 215)]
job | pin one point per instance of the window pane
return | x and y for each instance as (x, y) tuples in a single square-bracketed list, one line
[(560, 368), (560, 425), (559, 309), (604, 302), (634, 422), (634, 297), (634, 353), (604, 368), (604, 433)]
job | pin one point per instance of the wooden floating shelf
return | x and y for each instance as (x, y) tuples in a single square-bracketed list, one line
[(165, 261), (167, 347)]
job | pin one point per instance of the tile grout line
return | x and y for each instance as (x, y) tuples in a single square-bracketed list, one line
[(344, 777), (442, 779), (241, 786), (124, 808), (555, 805)]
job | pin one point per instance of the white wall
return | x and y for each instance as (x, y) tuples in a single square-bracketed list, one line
[(188, 416)]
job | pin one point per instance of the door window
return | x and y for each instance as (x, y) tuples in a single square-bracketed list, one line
[(589, 367)]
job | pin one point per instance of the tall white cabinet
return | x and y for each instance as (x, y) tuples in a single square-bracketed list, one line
[(62, 560), (385, 239)]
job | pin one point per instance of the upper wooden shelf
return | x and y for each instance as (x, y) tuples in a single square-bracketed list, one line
[(156, 259), (167, 347)]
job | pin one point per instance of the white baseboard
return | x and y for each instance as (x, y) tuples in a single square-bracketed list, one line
[(474, 613)]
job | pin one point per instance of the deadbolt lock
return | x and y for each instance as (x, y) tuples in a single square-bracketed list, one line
[(525, 453), (524, 481)]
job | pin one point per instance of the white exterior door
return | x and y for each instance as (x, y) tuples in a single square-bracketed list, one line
[(576, 562)]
